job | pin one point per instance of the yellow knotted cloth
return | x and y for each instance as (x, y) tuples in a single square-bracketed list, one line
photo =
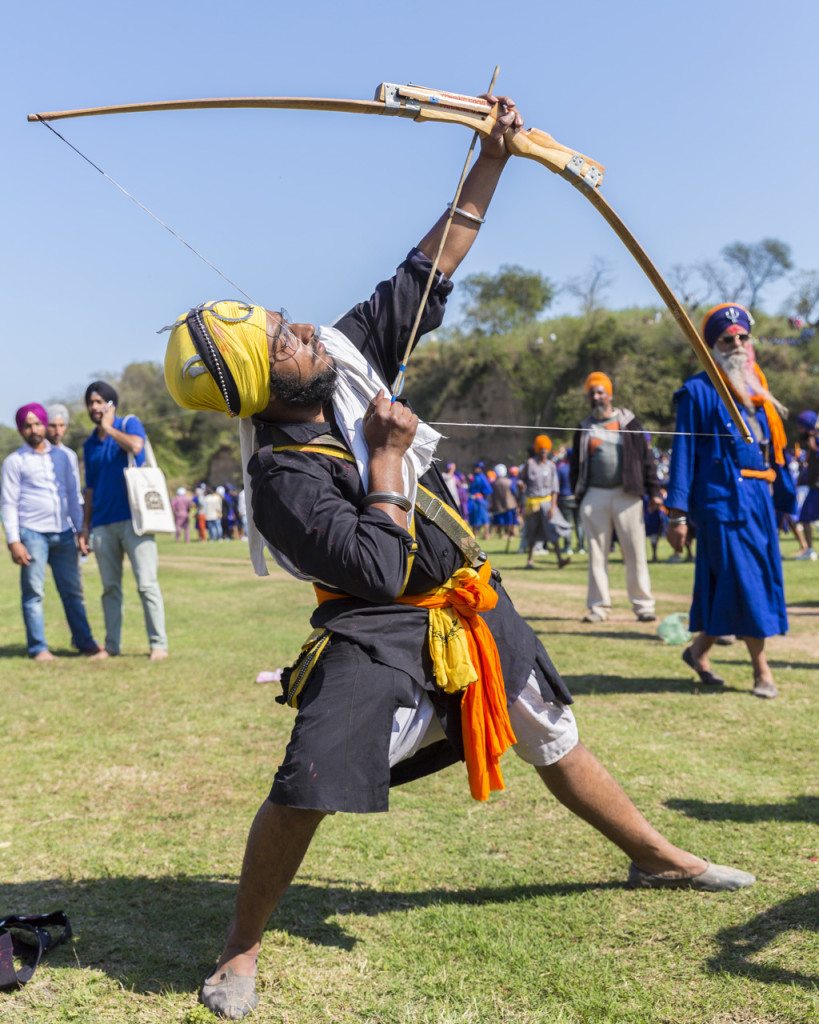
[(243, 346), (465, 659)]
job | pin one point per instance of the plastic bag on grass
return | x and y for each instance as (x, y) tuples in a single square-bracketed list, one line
[(674, 629)]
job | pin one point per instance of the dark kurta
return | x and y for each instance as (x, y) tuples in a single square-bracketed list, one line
[(309, 507)]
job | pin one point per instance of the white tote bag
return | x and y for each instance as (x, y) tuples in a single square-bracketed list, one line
[(148, 494)]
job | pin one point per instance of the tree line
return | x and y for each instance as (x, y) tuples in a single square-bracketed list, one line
[(505, 362)]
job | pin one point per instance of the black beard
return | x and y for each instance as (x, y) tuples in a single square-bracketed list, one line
[(319, 390)]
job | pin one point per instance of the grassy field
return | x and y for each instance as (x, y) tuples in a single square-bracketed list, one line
[(130, 786)]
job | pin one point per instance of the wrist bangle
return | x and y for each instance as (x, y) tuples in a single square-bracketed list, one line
[(468, 216), (387, 498), (678, 520)]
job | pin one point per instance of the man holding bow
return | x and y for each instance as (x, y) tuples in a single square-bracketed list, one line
[(417, 657)]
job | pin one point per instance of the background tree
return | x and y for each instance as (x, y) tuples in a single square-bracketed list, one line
[(757, 265), (501, 302), (804, 299), (689, 284), (591, 287)]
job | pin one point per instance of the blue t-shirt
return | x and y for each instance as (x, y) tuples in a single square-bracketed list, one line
[(105, 465)]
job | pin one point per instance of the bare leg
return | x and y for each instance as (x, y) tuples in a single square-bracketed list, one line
[(581, 783), (700, 647), (278, 840), (808, 529), (759, 660), (798, 530)]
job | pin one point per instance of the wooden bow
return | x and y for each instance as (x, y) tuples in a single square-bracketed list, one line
[(424, 104)]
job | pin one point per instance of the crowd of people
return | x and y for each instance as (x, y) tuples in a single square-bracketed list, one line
[(217, 513)]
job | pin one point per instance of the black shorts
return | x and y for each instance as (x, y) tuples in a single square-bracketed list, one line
[(337, 758)]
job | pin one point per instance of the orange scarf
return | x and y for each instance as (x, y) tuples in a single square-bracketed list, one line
[(779, 439), (485, 726)]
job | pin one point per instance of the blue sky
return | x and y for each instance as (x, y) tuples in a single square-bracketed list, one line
[(704, 115)]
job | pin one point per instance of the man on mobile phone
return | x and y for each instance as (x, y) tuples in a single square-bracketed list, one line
[(108, 519)]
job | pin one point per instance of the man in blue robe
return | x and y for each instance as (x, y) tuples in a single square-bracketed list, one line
[(722, 485)]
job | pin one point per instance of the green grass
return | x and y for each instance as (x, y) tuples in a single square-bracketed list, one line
[(129, 787)]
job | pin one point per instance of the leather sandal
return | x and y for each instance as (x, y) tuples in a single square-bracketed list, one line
[(232, 995), (765, 688), (715, 878), (26, 938), (707, 678)]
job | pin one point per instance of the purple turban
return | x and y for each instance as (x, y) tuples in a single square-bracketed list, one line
[(807, 420), (727, 316), (24, 410)]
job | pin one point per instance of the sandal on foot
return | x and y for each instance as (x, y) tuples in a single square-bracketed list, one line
[(765, 688), (715, 878), (232, 995), (707, 678)]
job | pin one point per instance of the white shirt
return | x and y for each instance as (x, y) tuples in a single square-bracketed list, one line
[(41, 491)]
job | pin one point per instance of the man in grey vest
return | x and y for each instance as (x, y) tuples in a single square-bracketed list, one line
[(612, 468)]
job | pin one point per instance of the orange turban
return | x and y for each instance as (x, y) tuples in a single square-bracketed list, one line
[(599, 380), (543, 441)]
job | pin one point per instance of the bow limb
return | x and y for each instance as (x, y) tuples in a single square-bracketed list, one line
[(585, 175), (224, 103)]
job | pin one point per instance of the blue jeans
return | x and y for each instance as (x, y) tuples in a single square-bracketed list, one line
[(111, 543), (59, 550)]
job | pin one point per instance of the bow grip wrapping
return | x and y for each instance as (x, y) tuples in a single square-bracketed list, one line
[(533, 144)]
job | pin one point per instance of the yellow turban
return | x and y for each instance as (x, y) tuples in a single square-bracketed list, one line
[(543, 441), (242, 346), (599, 380)]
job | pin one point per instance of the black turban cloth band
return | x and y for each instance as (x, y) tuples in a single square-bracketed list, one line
[(104, 390)]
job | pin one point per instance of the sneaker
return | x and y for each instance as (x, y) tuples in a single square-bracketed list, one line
[(593, 616), (675, 559), (808, 555), (646, 617)]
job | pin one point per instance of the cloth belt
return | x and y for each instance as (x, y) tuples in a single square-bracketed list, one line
[(759, 474), (534, 504), (28, 938)]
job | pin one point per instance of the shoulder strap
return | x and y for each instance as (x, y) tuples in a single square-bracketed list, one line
[(434, 510)]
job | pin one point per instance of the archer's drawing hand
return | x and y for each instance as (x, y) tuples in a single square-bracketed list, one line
[(492, 146), (389, 427)]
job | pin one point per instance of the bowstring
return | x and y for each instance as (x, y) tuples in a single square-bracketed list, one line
[(582, 430), (145, 209)]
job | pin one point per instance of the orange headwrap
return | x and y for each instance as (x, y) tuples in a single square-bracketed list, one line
[(599, 380), (542, 442)]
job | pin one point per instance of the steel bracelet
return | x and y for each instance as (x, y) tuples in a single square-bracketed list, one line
[(388, 498), (468, 216)]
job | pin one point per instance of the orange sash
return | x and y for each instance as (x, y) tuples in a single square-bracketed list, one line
[(486, 729)]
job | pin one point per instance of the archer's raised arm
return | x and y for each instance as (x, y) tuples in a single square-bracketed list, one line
[(477, 192)]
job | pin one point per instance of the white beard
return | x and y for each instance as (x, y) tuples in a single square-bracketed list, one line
[(735, 367)]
